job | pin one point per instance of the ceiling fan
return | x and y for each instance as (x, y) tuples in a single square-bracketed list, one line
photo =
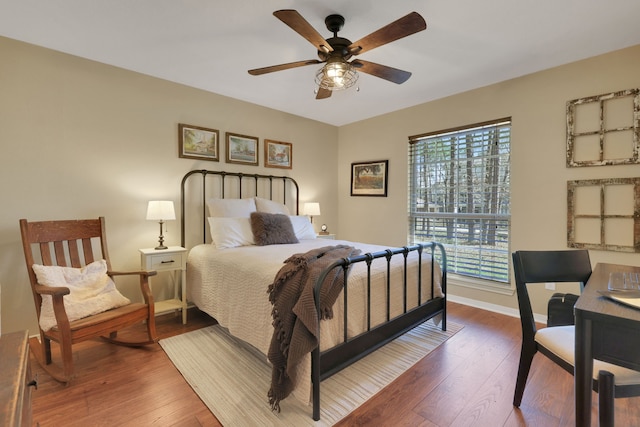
[(335, 52)]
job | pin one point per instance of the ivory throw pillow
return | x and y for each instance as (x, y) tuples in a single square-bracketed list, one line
[(91, 291), (230, 232), (233, 208), (269, 206), (302, 227)]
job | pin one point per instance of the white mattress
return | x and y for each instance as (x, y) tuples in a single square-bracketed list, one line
[(231, 286)]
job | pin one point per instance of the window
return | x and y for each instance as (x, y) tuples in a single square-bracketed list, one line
[(459, 196)]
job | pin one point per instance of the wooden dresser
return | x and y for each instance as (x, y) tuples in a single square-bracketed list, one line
[(15, 380)]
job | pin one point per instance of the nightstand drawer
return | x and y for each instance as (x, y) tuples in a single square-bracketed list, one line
[(164, 262), (173, 258)]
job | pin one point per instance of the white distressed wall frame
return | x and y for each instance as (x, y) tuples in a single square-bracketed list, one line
[(604, 129), (604, 214)]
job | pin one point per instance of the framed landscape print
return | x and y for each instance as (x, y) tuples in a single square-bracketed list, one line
[(278, 154), (242, 149), (369, 178), (195, 142)]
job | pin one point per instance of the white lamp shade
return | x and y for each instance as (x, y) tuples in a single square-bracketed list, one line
[(311, 209), (161, 210)]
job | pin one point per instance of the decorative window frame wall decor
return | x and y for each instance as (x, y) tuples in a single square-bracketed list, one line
[(604, 214), (604, 129)]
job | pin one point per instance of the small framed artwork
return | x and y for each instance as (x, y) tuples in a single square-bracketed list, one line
[(242, 149), (278, 154), (195, 142), (369, 178)]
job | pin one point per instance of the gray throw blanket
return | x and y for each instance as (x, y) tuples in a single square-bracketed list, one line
[(295, 320)]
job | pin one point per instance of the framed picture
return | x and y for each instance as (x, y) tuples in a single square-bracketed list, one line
[(369, 178), (242, 149), (277, 154), (196, 142)]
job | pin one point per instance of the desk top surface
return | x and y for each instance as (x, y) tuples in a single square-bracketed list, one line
[(592, 303)]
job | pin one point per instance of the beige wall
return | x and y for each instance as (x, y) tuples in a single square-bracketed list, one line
[(536, 104), (81, 139)]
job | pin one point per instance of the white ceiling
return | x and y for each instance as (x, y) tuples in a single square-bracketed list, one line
[(210, 44)]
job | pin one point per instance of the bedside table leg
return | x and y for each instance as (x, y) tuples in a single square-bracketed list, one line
[(183, 286)]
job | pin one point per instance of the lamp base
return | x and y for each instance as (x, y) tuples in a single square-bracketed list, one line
[(161, 239)]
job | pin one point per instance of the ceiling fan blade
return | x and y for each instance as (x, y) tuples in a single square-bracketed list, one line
[(323, 93), (271, 69), (300, 25), (403, 27), (384, 72)]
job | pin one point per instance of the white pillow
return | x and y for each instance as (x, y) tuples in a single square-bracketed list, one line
[(302, 227), (234, 208), (231, 232), (91, 291), (269, 206)]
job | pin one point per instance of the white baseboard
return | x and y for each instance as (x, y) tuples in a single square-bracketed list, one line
[(493, 307)]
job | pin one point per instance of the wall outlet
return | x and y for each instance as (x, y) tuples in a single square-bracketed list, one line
[(550, 286)]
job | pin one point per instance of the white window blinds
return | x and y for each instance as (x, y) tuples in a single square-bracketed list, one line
[(459, 196)]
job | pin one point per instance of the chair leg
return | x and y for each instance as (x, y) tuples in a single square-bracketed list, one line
[(526, 357), (67, 358), (53, 369), (606, 396), (45, 348), (151, 329)]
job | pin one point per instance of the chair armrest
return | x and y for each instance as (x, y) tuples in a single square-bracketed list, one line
[(137, 273), (144, 282), (51, 290)]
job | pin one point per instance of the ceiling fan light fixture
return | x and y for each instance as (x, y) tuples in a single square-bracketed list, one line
[(337, 74)]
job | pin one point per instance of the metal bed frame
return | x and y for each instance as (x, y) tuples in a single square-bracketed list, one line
[(328, 362)]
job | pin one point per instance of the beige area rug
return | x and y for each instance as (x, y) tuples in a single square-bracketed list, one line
[(232, 378)]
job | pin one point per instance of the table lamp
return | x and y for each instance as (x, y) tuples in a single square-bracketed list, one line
[(161, 211), (311, 209)]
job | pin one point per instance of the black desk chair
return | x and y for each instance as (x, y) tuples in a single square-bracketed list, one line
[(557, 343)]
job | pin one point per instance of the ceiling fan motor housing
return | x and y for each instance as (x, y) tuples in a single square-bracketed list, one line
[(339, 45)]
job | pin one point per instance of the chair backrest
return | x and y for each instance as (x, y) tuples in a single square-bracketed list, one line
[(66, 243), (542, 267)]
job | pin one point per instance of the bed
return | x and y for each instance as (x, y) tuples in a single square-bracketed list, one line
[(387, 291)]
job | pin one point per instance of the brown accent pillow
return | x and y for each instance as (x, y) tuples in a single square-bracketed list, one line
[(272, 229)]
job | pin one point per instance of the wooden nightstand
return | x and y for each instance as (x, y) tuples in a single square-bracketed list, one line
[(326, 236), (173, 259)]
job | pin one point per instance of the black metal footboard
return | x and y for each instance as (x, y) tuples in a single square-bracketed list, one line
[(326, 363)]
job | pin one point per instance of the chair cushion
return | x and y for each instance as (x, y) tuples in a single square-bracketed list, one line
[(91, 291), (560, 340)]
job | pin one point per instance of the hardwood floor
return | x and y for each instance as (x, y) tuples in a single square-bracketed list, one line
[(468, 381)]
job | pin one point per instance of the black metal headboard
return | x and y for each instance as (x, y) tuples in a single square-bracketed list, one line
[(283, 188)]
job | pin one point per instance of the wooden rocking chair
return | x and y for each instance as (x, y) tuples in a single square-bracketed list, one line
[(77, 243)]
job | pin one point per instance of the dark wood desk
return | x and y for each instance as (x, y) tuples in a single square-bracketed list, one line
[(605, 330)]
